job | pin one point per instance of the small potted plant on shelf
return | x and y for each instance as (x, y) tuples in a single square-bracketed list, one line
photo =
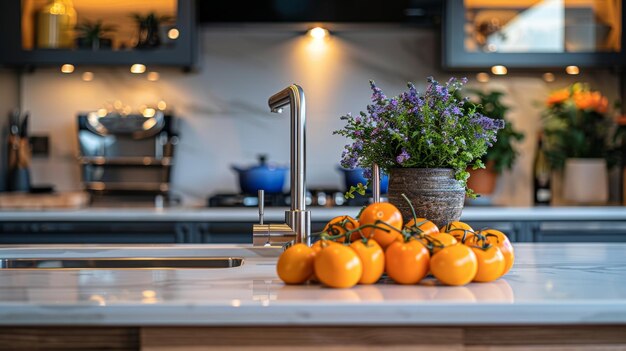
[(93, 35), (148, 29), (502, 155), (425, 142), (576, 128)]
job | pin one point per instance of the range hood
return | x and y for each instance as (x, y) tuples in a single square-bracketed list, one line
[(417, 12)]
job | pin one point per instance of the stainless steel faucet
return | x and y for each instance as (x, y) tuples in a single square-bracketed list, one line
[(297, 226)]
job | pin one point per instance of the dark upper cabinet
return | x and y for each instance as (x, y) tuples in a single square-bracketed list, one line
[(28, 38), (410, 12), (533, 33)]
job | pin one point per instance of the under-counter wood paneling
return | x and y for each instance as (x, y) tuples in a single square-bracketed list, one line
[(390, 338), (69, 338), (304, 338)]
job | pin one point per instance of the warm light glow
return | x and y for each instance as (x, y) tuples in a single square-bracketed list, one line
[(161, 105), (573, 70), (318, 33), (149, 123), (67, 68), (118, 104), (499, 70), (173, 34), (149, 112), (148, 293), (137, 68), (99, 299), (87, 76), (482, 77), (127, 110), (149, 296), (102, 112), (153, 76), (548, 77)]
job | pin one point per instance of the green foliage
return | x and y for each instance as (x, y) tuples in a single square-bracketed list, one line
[(576, 125), (430, 130), (502, 153), (94, 30)]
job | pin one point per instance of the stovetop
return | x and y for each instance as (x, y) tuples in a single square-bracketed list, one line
[(314, 197)]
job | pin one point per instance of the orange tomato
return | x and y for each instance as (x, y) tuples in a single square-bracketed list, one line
[(338, 266), (438, 241), (460, 230), (372, 258), (406, 262), (317, 246), (383, 215), (340, 225), (500, 240), (423, 226), (454, 265), (490, 263), (295, 265)]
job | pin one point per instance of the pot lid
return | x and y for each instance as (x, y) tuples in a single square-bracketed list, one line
[(263, 165)]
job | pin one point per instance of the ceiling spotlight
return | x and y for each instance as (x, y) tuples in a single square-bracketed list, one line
[(318, 33), (67, 68), (137, 68), (499, 70), (573, 70)]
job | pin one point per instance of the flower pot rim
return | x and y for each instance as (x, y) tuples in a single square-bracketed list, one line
[(422, 168)]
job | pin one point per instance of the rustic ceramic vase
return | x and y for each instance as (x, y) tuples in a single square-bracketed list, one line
[(434, 192), (586, 181), (483, 180)]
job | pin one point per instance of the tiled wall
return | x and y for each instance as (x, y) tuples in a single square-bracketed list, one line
[(223, 106)]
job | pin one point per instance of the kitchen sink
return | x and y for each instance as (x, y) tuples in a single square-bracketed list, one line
[(121, 263)]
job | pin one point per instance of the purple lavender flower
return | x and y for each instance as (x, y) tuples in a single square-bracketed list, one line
[(403, 157)]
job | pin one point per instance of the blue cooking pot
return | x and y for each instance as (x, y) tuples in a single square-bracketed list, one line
[(270, 178), (352, 177)]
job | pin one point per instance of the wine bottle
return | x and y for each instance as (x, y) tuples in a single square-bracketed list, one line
[(542, 188)]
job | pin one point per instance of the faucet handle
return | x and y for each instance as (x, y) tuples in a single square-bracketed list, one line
[(261, 196)]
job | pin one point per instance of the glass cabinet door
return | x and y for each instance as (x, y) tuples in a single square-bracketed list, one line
[(533, 33), (115, 32)]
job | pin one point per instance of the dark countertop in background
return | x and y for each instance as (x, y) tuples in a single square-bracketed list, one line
[(318, 214)]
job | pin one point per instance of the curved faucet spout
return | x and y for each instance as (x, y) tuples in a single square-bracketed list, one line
[(294, 95), (298, 218)]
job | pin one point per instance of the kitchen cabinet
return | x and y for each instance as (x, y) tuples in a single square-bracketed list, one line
[(176, 46), (588, 231), (234, 225), (533, 34)]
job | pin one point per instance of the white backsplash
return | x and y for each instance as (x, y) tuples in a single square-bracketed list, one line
[(223, 105)]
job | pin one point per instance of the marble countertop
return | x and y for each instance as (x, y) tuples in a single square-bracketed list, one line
[(549, 284), (317, 214)]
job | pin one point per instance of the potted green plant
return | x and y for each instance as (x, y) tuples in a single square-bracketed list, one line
[(502, 155), (93, 35), (576, 128), (425, 142), (148, 29)]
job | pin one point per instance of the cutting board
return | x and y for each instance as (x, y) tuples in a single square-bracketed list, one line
[(25, 201)]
